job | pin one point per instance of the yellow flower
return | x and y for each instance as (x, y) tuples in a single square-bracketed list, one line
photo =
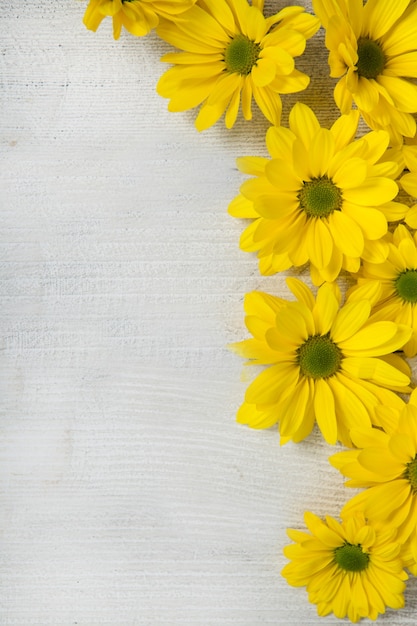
[(137, 16), (350, 568), (327, 363), (232, 53), (397, 277), (322, 197), (386, 464), (373, 50)]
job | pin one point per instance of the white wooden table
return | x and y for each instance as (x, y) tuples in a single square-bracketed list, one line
[(129, 495)]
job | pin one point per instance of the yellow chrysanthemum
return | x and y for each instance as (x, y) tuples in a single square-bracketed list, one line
[(386, 464), (351, 569), (373, 50), (139, 17), (327, 363), (321, 198), (397, 277), (232, 53)]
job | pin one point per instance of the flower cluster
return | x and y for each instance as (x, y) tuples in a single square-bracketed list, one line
[(334, 202)]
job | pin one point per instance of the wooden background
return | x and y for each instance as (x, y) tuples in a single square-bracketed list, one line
[(129, 495)]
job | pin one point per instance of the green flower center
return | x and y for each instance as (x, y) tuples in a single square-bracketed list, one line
[(241, 55), (351, 558), (411, 473), (319, 357), (406, 286), (320, 197), (371, 59)]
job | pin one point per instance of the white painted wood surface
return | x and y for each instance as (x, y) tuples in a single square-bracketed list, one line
[(129, 495)]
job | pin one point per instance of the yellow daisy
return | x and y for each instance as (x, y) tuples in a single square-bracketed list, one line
[(386, 464), (322, 197), (397, 277), (139, 17), (231, 53), (373, 51), (326, 363), (351, 569)]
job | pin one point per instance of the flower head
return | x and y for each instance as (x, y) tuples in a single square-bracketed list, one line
[(351, 569), (327, 363), (322, 197), (139, 17), (231, 53), (373, 52), (397, 277), (385, 463)]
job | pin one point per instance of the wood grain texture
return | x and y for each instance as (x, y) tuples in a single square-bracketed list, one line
[(129, 495)]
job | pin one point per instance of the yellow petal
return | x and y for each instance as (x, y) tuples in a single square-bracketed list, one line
[(255, 417), (291, 325), (292, 411), (303, 123), (321, 152), (409, 183), (281, 174), (252, 165), (255, 24), (319, 243), (324, 408), (366, 94), (269, 102), (403, 92), (325, 309), (273, 384), (375, 370), (344, 129), (282, 60), (279, 141), (379, 16), (402, 448), (373, 192), (209, 115), (372, 222), (351, 412), (379, 461), (276, 206), (403, 65), (346, 234), (371, 340), (263, 72), (301, 292), (320, 530), (232, 110), (349, 174)]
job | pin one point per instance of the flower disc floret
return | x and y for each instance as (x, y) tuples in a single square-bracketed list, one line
[(319, 357), (320, 197), (241, 55), (351, 558), (371, 58), (410, 474), (406, 286)]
